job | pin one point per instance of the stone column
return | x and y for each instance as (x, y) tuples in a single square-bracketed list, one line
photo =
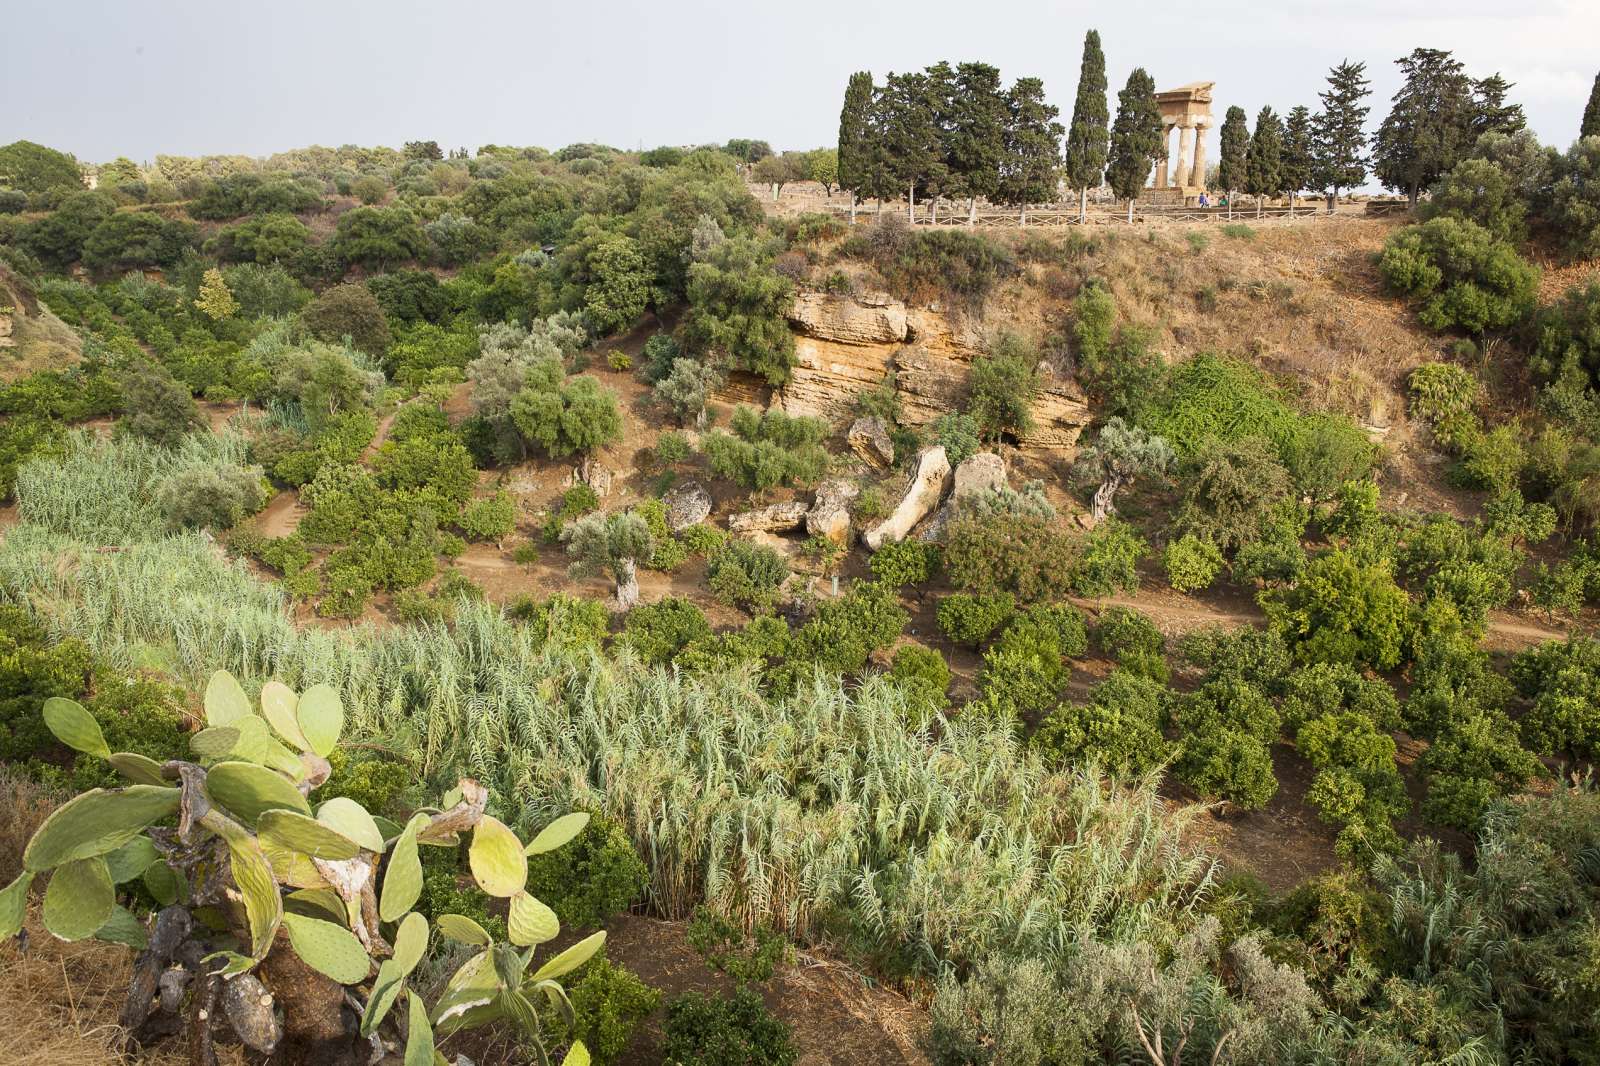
[(1166, 154), (1197, 172), (1185, 144)]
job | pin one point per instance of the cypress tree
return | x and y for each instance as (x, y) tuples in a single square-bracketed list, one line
[(1338, 131), (976, 140), (1235, 138), (1263, 171), (1591, 114), (1086, 140), (1032, 162), (1296, 161), (855, 136), (1429, 127)]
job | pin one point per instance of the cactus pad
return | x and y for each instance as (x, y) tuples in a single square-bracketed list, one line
[(79, 900), (496, 858), (99, 821), (328, 948), (248, 791)]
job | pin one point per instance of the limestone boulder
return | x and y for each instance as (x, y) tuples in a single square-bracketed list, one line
[(869, 438), (982, 472), (928, 486), (687, 504), (777, 518), (593, 473), (829, 515)]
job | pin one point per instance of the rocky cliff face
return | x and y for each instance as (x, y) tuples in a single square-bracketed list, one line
[(846, 344)]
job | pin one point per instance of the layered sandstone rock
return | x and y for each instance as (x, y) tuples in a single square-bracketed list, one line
[(777, 518), (870, 440), (983, 472), (687, 504), (830, 513)]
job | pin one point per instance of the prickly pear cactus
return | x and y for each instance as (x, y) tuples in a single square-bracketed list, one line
[(228, 843)]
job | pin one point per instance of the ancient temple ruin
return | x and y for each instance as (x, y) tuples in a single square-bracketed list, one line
[(1188, 110)]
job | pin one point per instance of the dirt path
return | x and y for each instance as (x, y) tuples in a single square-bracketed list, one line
[(281, 516)]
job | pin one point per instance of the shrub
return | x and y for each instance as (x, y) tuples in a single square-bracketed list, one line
[(733, 1031), (491, 518), (608, 1003), (1210, 400), (923, 675), (1568, 337), (1133, 640), (1234, 485), (591, 880), (1460, 276), (1119, 728), (1231, 765), (661, 352), (1001, 385), (614, 543), (379, 237), (578, 415), (1026, 556), (906, 562), (410, 295), (737, 307), (768, 449), (1473, 761), (1110, 560), (1343, 610), (657, 632), (968, 619), (1025, 670), (687, 389), (843, 633), (156, 407), (349, 310), (745, 574), (958, 435), (211, 497), (1192, 563), (929, 263), (727, 949), (1574, 205), (1325, 452)]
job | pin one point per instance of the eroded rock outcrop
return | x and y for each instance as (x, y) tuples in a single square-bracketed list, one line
[(830, 513), (869, 439), (845, 345), (983, 472), (775, 518), (927, 488)]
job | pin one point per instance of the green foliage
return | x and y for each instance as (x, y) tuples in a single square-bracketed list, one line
[(1025, 670), (1210, 399), (1233, 487), (1475, 759), (608, 1003), (768, 449), (351, 311), (1568, 336), (746, 574), (33, 168), (737, 309), (1229, 764), (734, 1031), (1027, 556), (1133, 640), (969, 619), (577, 415), (958, 434), (490, 518), (1001, 385), (216, 498), (1563, 681), (591, 880), (1460, 276), (156, 407), (1119, 728), (1109, 560), (379, 237), (1192, 563), (923, 675), (906, 562), (1343, 610), (747, 958), (1574, 199), (657, 632)]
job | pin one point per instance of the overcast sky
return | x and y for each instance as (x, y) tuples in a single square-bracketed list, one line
[(101, 79)]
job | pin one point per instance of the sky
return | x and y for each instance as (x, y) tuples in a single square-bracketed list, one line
[(102, 79)]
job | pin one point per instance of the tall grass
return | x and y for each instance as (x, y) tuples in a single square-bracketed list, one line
[(822, 813), (103, 491)]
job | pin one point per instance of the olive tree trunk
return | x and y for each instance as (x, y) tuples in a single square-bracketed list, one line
[(627, 585)]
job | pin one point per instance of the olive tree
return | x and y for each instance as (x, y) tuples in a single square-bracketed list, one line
[(613, 543), (1120, 454)]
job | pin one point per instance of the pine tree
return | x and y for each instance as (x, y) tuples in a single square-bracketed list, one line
[(1235, 143), (909, 137), (1490, 112), (1135, 137), (1338, 131), (855, 136), (1031, 169), (1591, 114), (1263, 165), (1429, 127), (1296, 161), (976, 140), (1086, 139)]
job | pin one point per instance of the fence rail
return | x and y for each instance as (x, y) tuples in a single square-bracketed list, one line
[(993, 218)]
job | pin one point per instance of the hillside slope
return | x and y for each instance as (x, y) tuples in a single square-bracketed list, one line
[(31, 337)]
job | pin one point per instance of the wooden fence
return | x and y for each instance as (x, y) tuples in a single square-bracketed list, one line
[(956, 215)]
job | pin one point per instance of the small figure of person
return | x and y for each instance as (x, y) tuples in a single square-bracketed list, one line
[(1204, 201)]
